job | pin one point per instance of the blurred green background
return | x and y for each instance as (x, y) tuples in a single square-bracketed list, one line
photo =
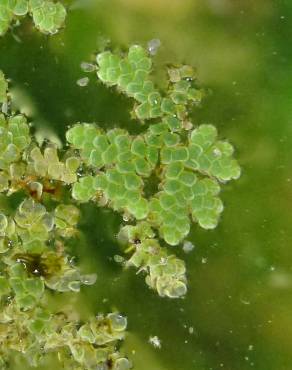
[(238, 311)]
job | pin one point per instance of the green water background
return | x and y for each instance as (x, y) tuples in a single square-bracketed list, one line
[(239, 302)]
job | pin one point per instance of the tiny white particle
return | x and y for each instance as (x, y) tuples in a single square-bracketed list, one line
[(217, 152), (155, 341), (188, 247)]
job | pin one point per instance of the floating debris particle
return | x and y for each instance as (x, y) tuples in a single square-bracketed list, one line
[(119, 259), (155, 341), (217, 152), (82, 82), (188, 246), (87, 67)]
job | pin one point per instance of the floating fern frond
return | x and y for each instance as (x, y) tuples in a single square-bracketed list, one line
[(187, 165), (164, 273), (122, 163), (48, 16), (212, 157), (132, 76)]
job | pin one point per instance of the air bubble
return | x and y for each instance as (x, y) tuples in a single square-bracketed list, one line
[(89, 279), (153, 46)]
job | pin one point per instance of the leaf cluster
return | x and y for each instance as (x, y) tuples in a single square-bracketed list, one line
[(48, 16), (188, 164), (34, 258)]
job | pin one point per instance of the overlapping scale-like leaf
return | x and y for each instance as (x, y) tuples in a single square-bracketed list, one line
[(48, 165), (165, 273)]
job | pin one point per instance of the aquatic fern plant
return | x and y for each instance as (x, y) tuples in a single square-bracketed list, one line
[(35, 261), (48, 16), (188, 163), (160, 181)]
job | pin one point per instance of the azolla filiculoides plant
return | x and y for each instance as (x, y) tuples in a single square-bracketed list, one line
[(161, 181), (188, 163)]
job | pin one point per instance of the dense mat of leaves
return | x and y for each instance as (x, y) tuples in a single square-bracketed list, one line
[(35, 261), (161, 181)]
